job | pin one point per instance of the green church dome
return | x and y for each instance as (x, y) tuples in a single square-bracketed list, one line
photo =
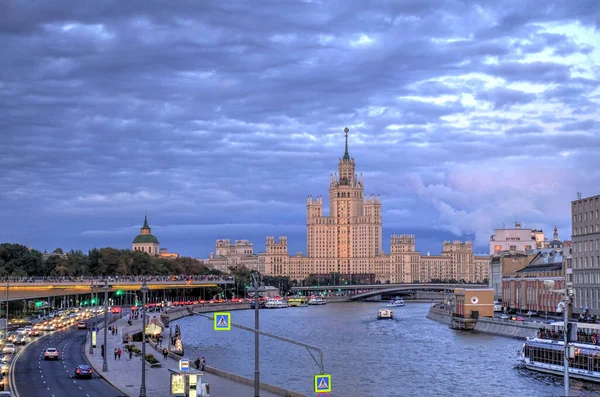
[(145, 238)]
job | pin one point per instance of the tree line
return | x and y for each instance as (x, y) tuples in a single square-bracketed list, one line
[(17, 260)]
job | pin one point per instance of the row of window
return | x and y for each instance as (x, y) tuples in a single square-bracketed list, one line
[(586, 230), (587, 297), (587, 245), (583, 217)]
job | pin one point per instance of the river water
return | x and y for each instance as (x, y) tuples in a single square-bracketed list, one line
[(408, 356)]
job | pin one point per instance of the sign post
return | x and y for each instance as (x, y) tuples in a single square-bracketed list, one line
[(222, 321), (184, 365), (322, 383)]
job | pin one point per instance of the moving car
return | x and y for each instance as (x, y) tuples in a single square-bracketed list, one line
[(83, 371), (9, 348), (51, 353), (82, 325)]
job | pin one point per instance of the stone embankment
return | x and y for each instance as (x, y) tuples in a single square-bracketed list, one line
[(508, 328)]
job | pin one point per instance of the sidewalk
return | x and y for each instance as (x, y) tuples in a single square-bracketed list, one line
[(125, 374)]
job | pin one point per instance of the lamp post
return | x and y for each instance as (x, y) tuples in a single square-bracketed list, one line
[(6, 329), (257, 289), (564, 307), (94, 324), (104, 363), (144, 290)]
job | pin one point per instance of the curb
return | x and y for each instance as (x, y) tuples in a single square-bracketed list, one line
[(99, 371)]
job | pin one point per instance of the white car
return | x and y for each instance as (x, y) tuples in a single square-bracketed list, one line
[(51, 354), (9, 348)]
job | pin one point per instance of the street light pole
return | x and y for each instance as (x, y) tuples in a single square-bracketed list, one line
[(257, 290), (144, 290), (6, 329), (566, 342), (104, 363), (94, 324)]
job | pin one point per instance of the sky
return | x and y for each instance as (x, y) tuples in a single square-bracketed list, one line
[(219, 118)]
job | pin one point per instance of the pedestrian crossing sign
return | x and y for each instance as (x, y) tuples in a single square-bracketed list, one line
[(322, 383), (222, 321)]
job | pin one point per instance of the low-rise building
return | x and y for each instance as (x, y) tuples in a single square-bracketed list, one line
[(474, 303), (525, 289)]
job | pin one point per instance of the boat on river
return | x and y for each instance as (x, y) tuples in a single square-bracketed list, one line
[(297, 301), (385, 314), (275, 303), (545, 353), (317, 300), (396, 302)]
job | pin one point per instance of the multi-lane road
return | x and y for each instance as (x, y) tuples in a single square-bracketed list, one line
[(36, 377)]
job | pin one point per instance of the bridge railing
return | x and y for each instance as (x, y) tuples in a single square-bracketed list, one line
[(175, 279)]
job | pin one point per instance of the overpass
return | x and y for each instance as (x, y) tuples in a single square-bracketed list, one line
[(392, 289), (20, 290)]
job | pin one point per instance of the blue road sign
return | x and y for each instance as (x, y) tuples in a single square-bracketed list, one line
[(322, 383), (222, 321)]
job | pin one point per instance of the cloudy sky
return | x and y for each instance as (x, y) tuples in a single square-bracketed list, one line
[(218, 118)]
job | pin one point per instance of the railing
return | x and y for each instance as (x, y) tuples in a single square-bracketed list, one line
[(117, 279)]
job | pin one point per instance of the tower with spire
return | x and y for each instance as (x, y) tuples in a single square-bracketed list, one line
[(348, 240), (146, 241)]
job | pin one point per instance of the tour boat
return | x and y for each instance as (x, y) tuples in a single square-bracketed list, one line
[(385, 314), (317, 300), (396, 302), (298, 301), (545, 353), (275, 303)]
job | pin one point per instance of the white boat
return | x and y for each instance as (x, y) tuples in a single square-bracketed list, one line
[(317, 300), (396, 302), (546, 352), (385, 314), (274, 303)]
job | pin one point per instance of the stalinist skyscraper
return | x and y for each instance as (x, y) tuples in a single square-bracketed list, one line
[(348, 240)]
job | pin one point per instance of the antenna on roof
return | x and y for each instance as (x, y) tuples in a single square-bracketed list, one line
[(578, 195)]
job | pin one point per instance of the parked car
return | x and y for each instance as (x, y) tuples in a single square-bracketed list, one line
[(517, 318), (532, 313), (504, 317)]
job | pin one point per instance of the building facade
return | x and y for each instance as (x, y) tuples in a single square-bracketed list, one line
[(348, 241), (586, 254), (525, 289), (146, 241), (238, 253)]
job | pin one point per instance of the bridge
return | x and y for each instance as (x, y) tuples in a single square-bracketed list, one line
[(20, 290), (392, 289)]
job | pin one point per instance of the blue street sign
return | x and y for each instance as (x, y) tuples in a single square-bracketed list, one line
[(184, 365), (222, 321), (322, 383)]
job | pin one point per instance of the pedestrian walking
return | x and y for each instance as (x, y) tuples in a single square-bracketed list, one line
[(102, 350), (130, 355), (165, 353), (116, 352), (119, 353), (202, 363)]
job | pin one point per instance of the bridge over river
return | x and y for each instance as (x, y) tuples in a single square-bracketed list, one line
[(20, 289), (360, 292)]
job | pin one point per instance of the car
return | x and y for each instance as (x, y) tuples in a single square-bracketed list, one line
[(51, 354), (82, 325), (504, 317), (82, 371), (517, 318), (532, 313), (4, 369), (5, 394), (9, 348)]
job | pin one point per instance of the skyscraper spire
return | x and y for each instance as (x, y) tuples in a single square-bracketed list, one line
[(346, 154)]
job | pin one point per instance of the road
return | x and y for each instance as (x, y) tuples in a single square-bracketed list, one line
[(36, 377)]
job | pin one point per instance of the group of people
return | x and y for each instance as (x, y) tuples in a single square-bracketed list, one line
[(113, 330), (200, 363)]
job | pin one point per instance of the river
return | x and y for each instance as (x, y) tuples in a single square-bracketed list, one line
[(408, 356)]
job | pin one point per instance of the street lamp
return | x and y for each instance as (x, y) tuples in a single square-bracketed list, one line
[(104, 363), (144, 290), (563, 306), (94, 324), (256, 289)]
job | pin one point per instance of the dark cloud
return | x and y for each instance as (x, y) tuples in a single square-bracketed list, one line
[(218, 117)]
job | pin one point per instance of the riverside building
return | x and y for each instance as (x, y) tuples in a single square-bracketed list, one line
[(348, 242), (586, 254)]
